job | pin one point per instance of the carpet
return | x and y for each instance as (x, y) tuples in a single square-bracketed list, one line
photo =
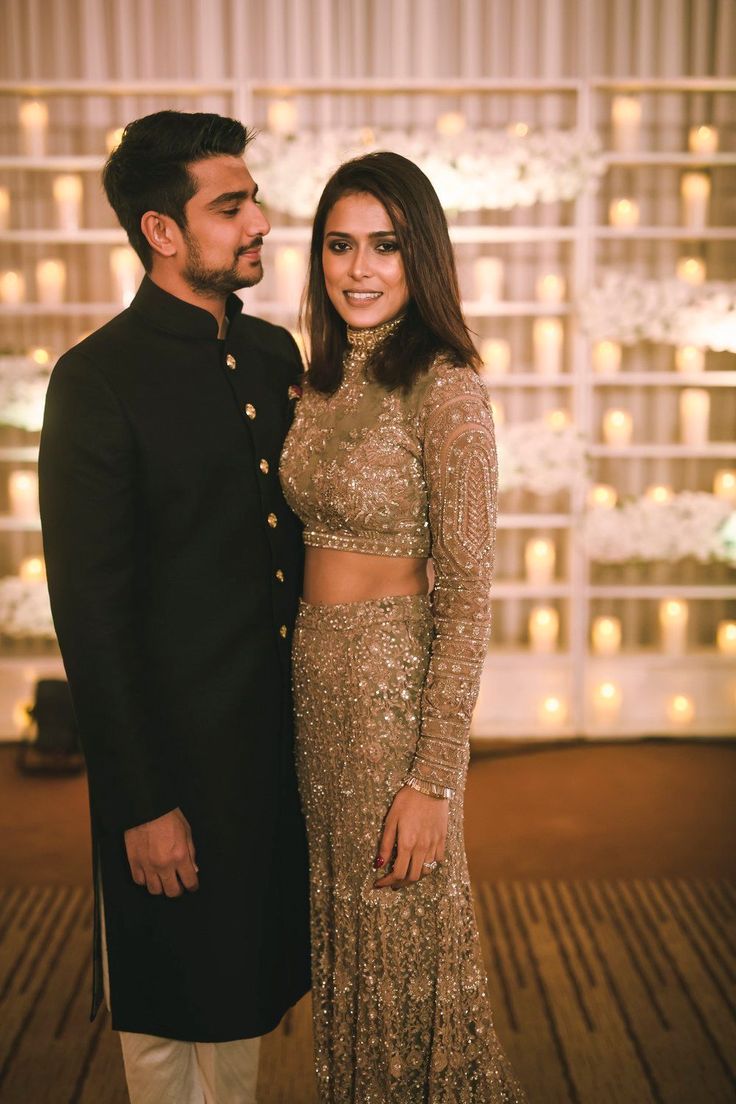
[(617, 992)]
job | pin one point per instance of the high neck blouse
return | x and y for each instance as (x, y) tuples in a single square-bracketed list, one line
[(395, 473)]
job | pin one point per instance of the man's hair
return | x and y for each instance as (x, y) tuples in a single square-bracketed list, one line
[(149, 170), (433, 321)]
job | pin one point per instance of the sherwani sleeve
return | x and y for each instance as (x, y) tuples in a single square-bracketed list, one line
[(459, 456), (92, 544)]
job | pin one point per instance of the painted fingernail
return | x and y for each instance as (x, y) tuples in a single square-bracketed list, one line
[(379, 862)]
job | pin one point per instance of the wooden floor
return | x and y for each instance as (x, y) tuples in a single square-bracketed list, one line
[(604, 879)]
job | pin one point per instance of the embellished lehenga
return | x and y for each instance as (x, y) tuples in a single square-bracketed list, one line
[(384, 692)]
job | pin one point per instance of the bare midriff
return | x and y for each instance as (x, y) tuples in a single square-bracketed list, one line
[(332, 576)]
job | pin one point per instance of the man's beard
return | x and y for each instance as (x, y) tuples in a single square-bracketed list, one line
[(216, 282)]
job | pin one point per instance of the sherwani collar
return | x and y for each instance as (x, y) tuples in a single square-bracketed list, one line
[(175, 316)]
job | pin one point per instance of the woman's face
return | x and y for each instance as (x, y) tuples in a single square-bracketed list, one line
[(363, 270)]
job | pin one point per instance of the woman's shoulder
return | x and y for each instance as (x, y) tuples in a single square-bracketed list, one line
[(446, 379)]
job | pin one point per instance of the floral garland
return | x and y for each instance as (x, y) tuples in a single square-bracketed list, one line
[(23, 387), (533, 457), (472, 171), (627, 308), (25, 609), (690, 524)]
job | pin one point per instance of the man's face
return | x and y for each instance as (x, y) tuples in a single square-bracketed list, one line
[(225, 228)]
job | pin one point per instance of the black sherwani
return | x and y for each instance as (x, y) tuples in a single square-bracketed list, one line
[(174, 568)]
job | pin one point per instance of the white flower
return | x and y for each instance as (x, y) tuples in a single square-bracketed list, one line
[(23, 387), (471, 171), (25, 609), (690, 524), (539, 459)]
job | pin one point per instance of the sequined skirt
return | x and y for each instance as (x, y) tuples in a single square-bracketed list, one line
[(399, 995)]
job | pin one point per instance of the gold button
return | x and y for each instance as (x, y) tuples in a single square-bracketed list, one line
[(264, 466), (279, 575), (283, 630), (250, 410), (272, 520), (231, 362)]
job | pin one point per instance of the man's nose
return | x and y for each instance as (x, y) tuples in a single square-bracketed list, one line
[(258, 224)]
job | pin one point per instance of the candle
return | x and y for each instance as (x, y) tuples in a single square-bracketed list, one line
[(556, 419), (724, 484), (518, 130), (499, 412), (606, 635), (4, 208), (450, 123), (544, 627), (23, 494), (703, 139), (680, 709), (695, 191), (51, 282), (673, 617), (607, 699), (659, 492), (22, 716), (34, 121), (282, 116), (299, 340), (68, 201), (694, 416), (539, 558), (113, 138), (602, 496), (32, 569), (691, 270), (547, 337), (626, 117), (488, 276), (606, 357), (618, 427), (125, 268), (550, 288), (12, 288), (624, 214), (291, 271), (40, 356), (688, 358), (552, 710), (726, 637), (496, 356)]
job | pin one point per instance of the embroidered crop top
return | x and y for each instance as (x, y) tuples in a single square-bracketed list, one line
[(397, 474)]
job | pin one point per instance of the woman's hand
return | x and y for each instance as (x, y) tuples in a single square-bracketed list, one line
[(416, 827)]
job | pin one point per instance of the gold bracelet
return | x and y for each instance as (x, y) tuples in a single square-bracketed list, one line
[(431, 789)]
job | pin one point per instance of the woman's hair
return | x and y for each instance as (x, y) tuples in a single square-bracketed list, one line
[(433, 321), (149, 170)]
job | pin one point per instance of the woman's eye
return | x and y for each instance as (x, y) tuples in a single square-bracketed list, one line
[(388, 247), (338, 247)]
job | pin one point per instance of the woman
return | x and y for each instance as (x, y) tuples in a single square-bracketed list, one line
[(391, 458)]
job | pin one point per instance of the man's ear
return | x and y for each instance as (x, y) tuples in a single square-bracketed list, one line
[(161, 232)]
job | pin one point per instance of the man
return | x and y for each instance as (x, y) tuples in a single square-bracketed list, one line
[(174, 568)]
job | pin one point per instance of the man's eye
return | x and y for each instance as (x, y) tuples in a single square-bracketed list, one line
[(231, 212)]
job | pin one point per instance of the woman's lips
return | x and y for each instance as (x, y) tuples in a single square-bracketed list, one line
[(362, 298)]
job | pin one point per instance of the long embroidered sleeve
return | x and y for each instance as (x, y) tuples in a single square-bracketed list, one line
[(459, 455)]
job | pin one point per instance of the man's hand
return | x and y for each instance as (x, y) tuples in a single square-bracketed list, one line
[(161, 855)]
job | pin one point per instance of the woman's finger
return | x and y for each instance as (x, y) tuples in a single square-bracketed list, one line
[(387, 844)]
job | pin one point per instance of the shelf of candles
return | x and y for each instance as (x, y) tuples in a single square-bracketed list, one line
[(676, 158), (665, 233), (19, 453), (533, 521), (713, 450), (69, 309), (11, 524), (709, 657), (531, 590), (529, 379), (63, 237), (507, 308), (55, 163), (714, 591), (718, 378)]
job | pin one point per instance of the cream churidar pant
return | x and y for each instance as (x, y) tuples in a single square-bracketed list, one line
[(167, 1071)]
